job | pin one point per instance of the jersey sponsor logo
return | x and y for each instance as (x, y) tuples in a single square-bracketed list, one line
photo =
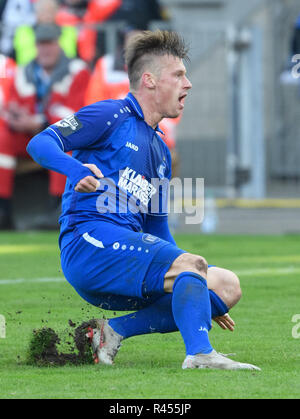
[(69, 125), (137, 185), (132, 146)]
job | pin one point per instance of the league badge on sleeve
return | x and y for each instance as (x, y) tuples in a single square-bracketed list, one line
[(69, 125)]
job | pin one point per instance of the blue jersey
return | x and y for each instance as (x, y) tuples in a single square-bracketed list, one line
[(107, 253), (133, 158)]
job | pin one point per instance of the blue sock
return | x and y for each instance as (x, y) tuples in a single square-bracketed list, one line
[(218, 307), (192, 312), (158, 317)]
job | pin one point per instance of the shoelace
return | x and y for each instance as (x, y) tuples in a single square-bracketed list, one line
[(227, 355)]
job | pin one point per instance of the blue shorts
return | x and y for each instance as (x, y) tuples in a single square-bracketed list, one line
[(116, 268)]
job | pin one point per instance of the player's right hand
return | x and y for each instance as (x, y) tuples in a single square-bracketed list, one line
[(89, 183)]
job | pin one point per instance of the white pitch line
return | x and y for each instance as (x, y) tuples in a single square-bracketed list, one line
[(27, 281), (248, 272), (262, 271)]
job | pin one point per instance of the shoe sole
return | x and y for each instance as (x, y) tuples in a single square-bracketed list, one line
[(233, 365), (90, 336), (221, 367)]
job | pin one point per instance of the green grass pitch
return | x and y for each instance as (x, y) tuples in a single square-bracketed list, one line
[(33, 294)]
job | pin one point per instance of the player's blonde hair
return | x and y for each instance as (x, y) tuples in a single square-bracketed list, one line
[(143, 47)]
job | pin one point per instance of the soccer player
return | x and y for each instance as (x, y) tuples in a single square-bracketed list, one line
[(116, 250)]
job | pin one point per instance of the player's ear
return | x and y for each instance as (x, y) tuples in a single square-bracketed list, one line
[(148, 80)]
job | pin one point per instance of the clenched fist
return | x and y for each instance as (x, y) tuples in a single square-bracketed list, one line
[(89, 183)]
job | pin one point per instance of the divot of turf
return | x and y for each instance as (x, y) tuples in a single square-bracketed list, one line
[(43, 350)]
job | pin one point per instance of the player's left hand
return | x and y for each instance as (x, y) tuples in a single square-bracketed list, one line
[(225, 322)]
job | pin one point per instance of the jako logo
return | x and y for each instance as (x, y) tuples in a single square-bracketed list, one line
[(132, 146)]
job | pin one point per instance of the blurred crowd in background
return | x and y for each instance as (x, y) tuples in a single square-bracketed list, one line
[(57, 56), (240, 127)]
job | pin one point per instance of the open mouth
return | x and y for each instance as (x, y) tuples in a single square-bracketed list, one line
[(181, 99)]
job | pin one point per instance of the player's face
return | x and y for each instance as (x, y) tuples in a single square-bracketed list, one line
[(172, 87)]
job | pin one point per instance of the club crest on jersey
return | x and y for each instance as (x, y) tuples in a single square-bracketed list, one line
[(137, 185), (161, 170), (69, 125), (148, 238)]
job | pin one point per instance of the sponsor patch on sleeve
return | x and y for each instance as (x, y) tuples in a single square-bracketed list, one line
[(69, 125)]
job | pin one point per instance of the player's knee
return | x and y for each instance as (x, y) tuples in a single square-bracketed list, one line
[(187, 262), (229, 288), (193, 263), (201, 265)]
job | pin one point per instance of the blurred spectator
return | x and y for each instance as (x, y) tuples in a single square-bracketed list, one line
[(48, 89), (138, 14), (7, 72), (295, 41), (13, 13), (134, 15), (86, 15), (109, 80), (24, 39)]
